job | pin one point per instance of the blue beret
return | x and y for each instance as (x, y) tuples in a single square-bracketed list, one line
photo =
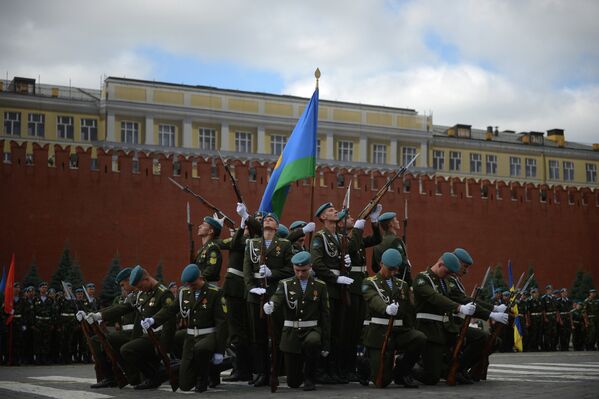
[(16, 284), (214, 224), (190, 273), (387, 216), (123, 274), (391, 258), (258, 214), (556, 292), (451, 261), (563, 290), (463, 256), (69, 285), (302, 258), (548, 287), (90, 285), (43, 283), (29, 288), (297, 224), (496, 290), (270, 215), (136, 275), (592, 290), (172, 284), (79, 290), (282, 231), (51, 290), (341, 214), (323, 207), (505, 293)]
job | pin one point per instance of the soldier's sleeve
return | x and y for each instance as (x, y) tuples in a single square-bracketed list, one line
[(214, 261), (424, 292), (373, 300), (168, 309), (223, 244), (287, 270), (279, 295), (376, 259), (116, 311), (325, 319), (238, 241), (375, 238), (317, 253), (220, 322), (295, 235), (248, 270)]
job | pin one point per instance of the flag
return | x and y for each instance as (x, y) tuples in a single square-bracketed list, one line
[(297, 161), (3, 281), (517, 322), (9, 300)]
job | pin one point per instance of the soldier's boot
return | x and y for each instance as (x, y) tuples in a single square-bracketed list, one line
[(401, 372), (310, 362), (202, 381), (234, 376), (335, 370), (214, 376), (363, 369), (108, 382), (322, 372)]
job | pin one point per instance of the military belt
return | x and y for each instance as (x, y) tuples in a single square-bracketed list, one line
[(335, 272), (550, 313), (154, 329), (42, 318), (564, 312), (385, 322), (536, 313), (358, 269), (200, 331), (430, 316), (366, 322), (68, 314), (591, 316), (259, 275), (461, 316), (127, 327), (16, 316), (235, 272), (300, 324)]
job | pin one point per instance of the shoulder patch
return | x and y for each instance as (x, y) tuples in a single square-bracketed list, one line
[(227, 240), (420, 281), (161, 288), (364, 287), (168, 300)]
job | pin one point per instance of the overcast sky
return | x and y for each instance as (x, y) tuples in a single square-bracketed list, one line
[(519, 65)]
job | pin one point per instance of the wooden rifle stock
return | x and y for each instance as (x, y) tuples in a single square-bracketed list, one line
[(97, 368), (121, 380), (173, 376)]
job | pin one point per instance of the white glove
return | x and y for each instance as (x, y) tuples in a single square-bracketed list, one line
[(268, 307), (91, 319), (80, 315), (147, 323), (265, 271), (499, 317), (344, 280), (24, 328), (499, 309), (242, 210), (324, 353), (359, 224), (347, 260), (468, 309), (376, 212), (392, 309), (220, 221), (258, 291), (309, 228), (217, 358)]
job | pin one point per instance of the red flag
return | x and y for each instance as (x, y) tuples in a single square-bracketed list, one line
[(9, 292)]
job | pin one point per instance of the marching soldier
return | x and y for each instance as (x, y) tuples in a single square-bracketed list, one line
[(326, 262), (566, 325), (551, 318), (304, 303), (387, 298), (67, 325), (590, 310), (522, 303), (578, 329), (93, 304), (391, 227), (507, 334), (267, 260), (172, 287), (534, 321), (209, 258), (43, 308), (498, 298)]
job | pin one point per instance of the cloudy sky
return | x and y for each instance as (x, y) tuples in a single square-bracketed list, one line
[(520, 65)]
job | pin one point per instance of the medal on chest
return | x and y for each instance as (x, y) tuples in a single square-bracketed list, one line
[(204, 303)]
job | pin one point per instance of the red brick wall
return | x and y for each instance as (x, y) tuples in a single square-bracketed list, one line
[(142, 216)]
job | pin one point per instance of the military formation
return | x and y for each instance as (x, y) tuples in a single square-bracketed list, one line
[(298, 303)]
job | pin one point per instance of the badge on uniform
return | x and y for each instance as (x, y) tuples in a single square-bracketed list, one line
[(169, 301), (420, 282), (315, 294), (151, 302), (204, 302), (278, 250)]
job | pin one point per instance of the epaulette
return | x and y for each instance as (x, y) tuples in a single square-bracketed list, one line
[(320, 281), (213, 287), (289, 279), (161, 288), (283, 240), (371, 278), (183, 289)]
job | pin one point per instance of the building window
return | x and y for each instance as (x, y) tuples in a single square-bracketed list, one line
[(93, 165), (340, 180), (135, 164), (379, 153), (346, 151), (407, 154), (317, 148), (74, 161), (12, 123), (591, 170), (252, 173), (177, 168), (130, 132), (156, 167), (475, 163), (243, 142), (515, 166), (455, 160), (568, 170), (89, 130), (166, 135), (115, 163), (6, 157), (213, 169), (438, 159), (491, 161), (28, 159), (64, 127), (35, 126), (531, 167), (277, 143), (553, 169), (207, 139)]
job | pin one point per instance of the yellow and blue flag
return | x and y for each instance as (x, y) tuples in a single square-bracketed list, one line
[(517, 322), (297, 161)]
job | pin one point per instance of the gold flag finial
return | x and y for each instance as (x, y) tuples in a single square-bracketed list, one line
[(317, 76)]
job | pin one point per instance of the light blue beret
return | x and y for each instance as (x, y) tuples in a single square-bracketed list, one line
[(214, 224), (301, 258), (391, 258), (451, 261), (387, 216), (271, 215), (282, 231), (323, 207), (190, 273), (297, 224), (463, 256), (136, 275), (123, 274)]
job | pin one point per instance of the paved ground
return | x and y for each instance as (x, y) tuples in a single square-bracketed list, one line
[(548, 375)]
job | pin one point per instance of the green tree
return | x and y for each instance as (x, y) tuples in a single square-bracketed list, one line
[(583, 282), (110, 289), (159, 275), (63, 271), (76, 277), (498, 280), (32, 277)]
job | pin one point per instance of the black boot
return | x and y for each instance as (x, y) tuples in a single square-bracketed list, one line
[(214, 376), (148, 384), (309, 369), (105, 383)]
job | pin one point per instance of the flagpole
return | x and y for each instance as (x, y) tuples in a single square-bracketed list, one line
[(317, 76)]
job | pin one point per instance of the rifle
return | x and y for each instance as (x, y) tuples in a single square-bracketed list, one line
[(479, 371), (274, 378), (345, 297), (190, 232), (381, 371), (204, 201), (173, 376), (405, 222), (379, 194), (233, 180), (457, 349), (121, 380)]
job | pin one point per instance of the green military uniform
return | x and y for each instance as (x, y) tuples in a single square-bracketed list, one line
[(67, 309), (534, 321), (578, 330), (205, 311), (590, 309), (277, 256), (43, 308), (306, 327), (80, 347), (296, 245), (19, 330), (550, 320), (378, 293), (565, 328), (390, 240), (209, 260)]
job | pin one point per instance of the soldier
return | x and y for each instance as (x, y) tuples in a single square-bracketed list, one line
[(140, 352), (300, 243), (43, 308), (172, 287), (551, 318), (29, 323), (204, 308), (55, 327), (507, 334), (590, 310), (267, 260), (93, 304), (566, 325), (522, 304), (434, 310), (388, 298), (17, 328), (534, 321), (209, 258), (82, 354), (67, 326), (498, 297), (304, 303), (578, 329), (326, 262), (391, 228)]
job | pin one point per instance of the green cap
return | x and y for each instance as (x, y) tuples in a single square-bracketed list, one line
[(214, 224), (298, 224), (76, 290), (42, 284), (270, 215), (323, 207), (387, 216), (341, 214), (190, 273), (123, 274), (136, 275), (451, 261), (90, 285), (282, 231), (463, 256), (592, 290), (391, 258), (302, 258)]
